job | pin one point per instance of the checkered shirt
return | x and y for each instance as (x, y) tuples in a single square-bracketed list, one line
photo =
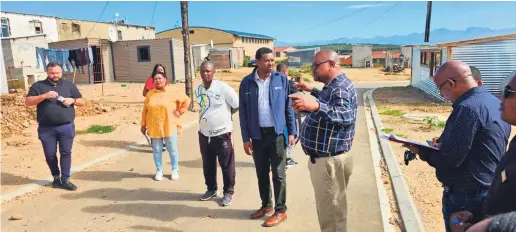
[(331, 129)]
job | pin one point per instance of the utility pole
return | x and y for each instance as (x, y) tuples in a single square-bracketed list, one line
[(428, 18), (188, 62)]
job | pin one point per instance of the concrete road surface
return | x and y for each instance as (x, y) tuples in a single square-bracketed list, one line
[(121, 194)]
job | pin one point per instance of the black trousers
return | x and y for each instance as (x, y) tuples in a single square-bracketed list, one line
[(220, 147), (269, 154)]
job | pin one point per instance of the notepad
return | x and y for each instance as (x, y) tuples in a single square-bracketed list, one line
[(398, 139)]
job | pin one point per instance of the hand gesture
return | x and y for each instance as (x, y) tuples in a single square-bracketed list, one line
[(300, 103), (300, 85), (68, 101), (50, 94)]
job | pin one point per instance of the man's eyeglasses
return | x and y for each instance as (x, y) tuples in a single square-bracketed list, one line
[(314, 66), (441, 86), (508, 91)]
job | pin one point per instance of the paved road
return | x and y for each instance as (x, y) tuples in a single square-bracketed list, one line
[(120, 194)]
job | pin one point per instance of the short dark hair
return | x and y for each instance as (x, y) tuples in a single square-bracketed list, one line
[(155, 70), (262, 51), (53, 65), (207, 62), (162, 73), (280, 67), (476, 73)]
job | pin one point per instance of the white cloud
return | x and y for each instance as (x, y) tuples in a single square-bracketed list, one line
[(364, 6)]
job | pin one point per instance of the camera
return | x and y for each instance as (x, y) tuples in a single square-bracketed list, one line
[(409, 156)]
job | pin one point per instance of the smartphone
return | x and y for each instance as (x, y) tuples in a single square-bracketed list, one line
[(297, 79), (429, 142)]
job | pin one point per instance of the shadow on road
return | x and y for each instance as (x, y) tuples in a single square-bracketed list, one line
[(107, 143), (110, 176), (11, 179), (142, 194), (168, 212)]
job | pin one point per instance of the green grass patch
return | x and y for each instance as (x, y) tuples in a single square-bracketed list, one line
[(97, 129), (401, 135), (434, 122), (393, 112), (388, 130)]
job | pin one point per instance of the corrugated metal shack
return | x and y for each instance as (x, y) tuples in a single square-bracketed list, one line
[(302, 56), (495, 57)]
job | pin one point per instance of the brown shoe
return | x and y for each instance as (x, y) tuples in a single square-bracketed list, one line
[(261, 212), (275, 219)]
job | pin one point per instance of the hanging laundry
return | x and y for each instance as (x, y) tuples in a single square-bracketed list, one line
[(90, 53), (84, 56)]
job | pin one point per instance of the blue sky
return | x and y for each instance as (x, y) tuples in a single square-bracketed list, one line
[(291, 21)]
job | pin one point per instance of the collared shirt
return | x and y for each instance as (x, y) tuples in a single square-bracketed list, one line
[(331, 129), (52, 112), (501, 197), (264, 107), (215, 105), (158, 112), (472, 143)]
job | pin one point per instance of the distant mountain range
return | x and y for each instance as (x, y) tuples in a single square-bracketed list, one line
[(436, 36)]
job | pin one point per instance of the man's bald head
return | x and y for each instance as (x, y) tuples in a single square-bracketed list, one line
[(453, 79), (325, 66)]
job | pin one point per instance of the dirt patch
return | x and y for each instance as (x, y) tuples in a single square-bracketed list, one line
[(16, 117), (424, 187)]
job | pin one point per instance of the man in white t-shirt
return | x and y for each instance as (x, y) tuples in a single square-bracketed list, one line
[(218, 102)]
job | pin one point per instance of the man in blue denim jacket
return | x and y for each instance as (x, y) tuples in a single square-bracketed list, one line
[(264, 112)]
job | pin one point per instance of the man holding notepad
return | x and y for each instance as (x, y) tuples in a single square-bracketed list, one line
[(472, 143)]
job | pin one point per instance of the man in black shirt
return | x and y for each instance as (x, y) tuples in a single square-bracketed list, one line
[(501, 197), (55, 99)]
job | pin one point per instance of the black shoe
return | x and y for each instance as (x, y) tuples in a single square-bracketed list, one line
[(226, 200), (209, 195), (68, 186), (57, 182)]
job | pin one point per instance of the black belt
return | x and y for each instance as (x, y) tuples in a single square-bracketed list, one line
[(267, 129), (323, 155)]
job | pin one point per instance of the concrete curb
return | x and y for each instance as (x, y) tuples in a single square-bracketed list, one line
[(409, 214), (40, 183), (385, 207)]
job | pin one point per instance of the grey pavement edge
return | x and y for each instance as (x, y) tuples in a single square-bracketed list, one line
[(409, 214), (385, 206), (40, 183)]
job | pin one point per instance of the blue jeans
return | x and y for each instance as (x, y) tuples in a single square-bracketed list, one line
[(157, 151), (454, 201)]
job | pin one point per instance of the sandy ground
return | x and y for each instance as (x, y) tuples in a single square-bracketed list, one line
[(426, 191)]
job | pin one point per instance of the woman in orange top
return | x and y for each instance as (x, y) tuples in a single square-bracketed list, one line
[(161, 121)]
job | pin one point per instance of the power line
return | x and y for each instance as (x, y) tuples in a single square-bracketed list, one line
[(350, 14), (98, 18), (379, 16), (153, 12)]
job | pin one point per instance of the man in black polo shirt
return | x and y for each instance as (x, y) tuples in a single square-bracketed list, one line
[(55, 99)]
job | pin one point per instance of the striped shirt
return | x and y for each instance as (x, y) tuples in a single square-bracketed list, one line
[(331, 129), (264, 106)]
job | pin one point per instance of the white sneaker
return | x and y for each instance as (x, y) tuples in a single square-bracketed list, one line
[(159, 176), (175, 175)]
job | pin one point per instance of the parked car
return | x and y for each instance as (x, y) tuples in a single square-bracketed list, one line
[(251, 63)]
